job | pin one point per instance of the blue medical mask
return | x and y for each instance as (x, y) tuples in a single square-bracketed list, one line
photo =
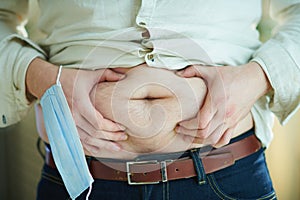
[(64, 141)]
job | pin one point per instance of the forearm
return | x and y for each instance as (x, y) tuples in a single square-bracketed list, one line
[(40, 76), (257, 78)]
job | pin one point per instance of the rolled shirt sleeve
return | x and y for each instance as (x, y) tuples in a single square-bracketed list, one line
[(17, 52), (280, 59)]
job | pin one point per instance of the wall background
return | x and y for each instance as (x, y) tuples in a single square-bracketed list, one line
[(20, 163), (283, 158)]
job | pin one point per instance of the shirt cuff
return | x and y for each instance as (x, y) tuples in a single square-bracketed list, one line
[(17, 53), (283, 73)]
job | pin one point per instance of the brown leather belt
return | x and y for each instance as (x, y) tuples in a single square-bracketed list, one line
[(153, 171)]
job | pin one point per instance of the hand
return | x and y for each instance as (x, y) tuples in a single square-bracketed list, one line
[(95, 131), (232, 91)]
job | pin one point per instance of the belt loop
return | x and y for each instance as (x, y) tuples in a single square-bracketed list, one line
[(201, 176)]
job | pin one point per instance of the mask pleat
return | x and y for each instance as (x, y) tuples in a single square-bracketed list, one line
[(64, 141)]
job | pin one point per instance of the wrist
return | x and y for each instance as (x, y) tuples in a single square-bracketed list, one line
[(40, 76), (260, 79)]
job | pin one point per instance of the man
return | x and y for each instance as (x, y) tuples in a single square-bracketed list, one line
[(182, 113)]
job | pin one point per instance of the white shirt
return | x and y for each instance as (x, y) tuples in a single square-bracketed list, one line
[(98, 34)]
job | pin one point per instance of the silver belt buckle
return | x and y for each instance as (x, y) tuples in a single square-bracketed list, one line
[(163, 169)]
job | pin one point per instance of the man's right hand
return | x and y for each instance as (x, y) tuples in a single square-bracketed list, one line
[(95, 131)]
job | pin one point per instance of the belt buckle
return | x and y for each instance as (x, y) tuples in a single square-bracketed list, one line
[(163, 168)]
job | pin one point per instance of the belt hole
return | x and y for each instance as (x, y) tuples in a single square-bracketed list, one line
[(145, 173), (176, 169)]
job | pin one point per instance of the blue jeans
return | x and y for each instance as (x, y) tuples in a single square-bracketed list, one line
[(248, 178)]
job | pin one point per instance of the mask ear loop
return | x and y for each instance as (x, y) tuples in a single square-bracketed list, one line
[(58, 75), (89, 192)]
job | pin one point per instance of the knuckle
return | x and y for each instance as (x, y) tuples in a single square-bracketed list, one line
[(85, 140), (106, 135), (231, 120), (100, 124), (204, 120), (230, 111), (102, 145), (94, 133), (197, 140), (202, 124), (108, 72), (106, 145), (202, 135), (95, 150)]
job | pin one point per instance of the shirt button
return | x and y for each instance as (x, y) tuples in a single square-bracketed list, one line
[(3, 119), (142, 23), (150, 57)]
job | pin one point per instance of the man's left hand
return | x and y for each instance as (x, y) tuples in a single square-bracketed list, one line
[(232, 91)]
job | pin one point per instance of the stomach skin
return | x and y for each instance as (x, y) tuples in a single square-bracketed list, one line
[(149, 102)]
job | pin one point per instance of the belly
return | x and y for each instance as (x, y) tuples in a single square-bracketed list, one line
[(149, 102)]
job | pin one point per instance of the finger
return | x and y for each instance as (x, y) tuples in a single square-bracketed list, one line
[(110, 75), (103, 144), (83, 136), (207, 112), (226, 137), (185, 131), (88, 111), (190, 124), (215, 135), (113, 136), (212, 126), (207, 136), (190, 139), (89, 150), (202, 135), (83, 124), (95, 145), (204, 116), (192, 71), (194, 140), (111, 126)]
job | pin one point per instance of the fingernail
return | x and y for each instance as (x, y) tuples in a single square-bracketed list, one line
[(177, 129), (124, 137)]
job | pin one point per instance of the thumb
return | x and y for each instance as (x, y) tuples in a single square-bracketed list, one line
[(110, 75), (192, 71)]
